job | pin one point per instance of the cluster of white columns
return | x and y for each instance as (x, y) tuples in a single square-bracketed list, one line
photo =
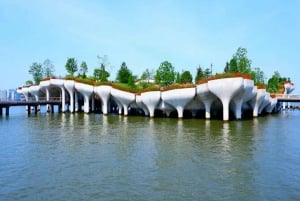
[(235, 94)]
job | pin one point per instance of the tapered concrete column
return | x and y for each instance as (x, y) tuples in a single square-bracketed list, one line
[(76, 104), (151, 100), (257, 101), (123, 97), (141, 105), (70, 87), (165, 107), (206, 97), (60, 83), (104, 94), (34, 90), (86, 90), (225, 89), (240, 98), (178, 98), (266, 101), (271, 106)]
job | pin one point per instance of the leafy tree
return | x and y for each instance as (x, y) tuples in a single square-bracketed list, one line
[(48, 68), (275, 82), (233, 66), (207, 73), (124, 74), (101, 74), (83, 69), (165, 74), (186, 77), (71, 66), (199, 74), (147, 74), (227, 67), (240, 62), (178, 78), (28, 83), (36, 70), (258, 76)]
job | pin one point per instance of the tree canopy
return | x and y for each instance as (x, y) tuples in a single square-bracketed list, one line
[(48, 68), (165, 74), (186, 77), (36, 70), (124, 74), (239, 62), (71, 66), (101, 74), (275, 83), (83, 69)]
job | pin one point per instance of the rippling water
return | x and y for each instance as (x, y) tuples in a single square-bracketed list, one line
[(95, 157)]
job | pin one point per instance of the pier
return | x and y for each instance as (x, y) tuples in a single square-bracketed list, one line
[(30, 104)]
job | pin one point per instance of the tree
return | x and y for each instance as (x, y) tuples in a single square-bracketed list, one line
[(101, 74), (28, 83), (258, 76), (227, 67), (275, 82), (165, 74), (178, 78), (240, 62), (207, 73), (83, 69), (71, 66), (199, 74), (186, 77), (124, 74), (36, 70), (48, 68), (147, 75)]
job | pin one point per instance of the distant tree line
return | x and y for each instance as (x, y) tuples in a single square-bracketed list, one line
[(165, 74)]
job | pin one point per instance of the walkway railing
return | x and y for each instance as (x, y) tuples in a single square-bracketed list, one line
[(288, 97)]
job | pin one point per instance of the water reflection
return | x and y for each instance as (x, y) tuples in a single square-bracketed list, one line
[(137, 158)]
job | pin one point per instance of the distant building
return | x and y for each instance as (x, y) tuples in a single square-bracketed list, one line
[(13, 95), (3, 95)]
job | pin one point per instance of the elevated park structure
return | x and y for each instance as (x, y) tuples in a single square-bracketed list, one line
[(230, 97)]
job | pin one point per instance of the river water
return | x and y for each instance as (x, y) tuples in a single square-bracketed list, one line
[(96, 157)]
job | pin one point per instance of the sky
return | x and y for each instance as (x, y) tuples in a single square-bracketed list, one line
[(145, 33)]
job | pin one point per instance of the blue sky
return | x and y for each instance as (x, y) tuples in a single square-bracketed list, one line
[(145, 33)]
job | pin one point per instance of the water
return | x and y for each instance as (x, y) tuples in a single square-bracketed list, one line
[(95, 157)]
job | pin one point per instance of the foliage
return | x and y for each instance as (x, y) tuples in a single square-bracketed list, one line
[(71, 66), (101, 74), (83, 69), (165, 74), (48, 68), (275, 83), (258, 76), (36, 70), (239, 62), (147, 74), (124, 87), (124, 74), (186, 77), (178, 78), (28, 83), (207, 73), (199, 74)]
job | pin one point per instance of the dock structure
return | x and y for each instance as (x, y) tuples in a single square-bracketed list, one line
[(30, 104)]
